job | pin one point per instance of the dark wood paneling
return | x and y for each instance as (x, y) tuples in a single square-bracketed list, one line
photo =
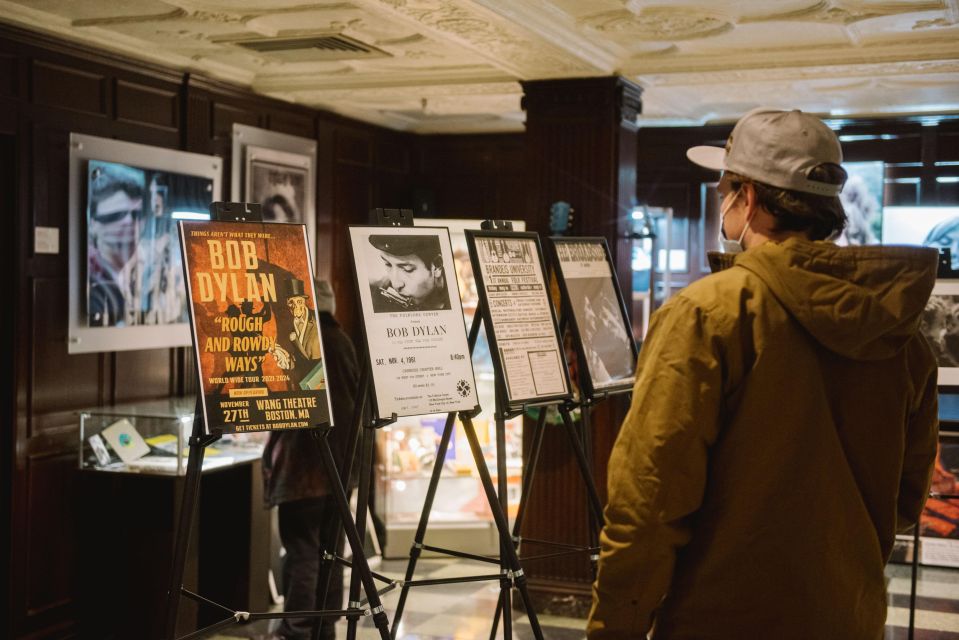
[(151, 106), (9, 75), (225, 115), (142, 375), (69, 88), (59, 382), (353, 147), (50, 533), (295, 124)]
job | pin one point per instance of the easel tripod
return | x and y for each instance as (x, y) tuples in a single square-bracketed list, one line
[(199, 440)]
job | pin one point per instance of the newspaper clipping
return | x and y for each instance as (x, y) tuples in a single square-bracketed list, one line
[(520, 311), (413, 318), (606, 342), (256, 332)]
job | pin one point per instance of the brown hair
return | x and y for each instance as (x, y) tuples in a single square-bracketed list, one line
[(820, 217)]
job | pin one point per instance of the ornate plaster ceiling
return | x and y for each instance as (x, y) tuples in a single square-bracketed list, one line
[(455, 65)]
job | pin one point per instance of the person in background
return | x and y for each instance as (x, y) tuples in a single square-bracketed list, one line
[(783, 424), (296, 483)]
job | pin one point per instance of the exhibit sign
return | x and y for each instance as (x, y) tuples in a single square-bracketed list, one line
[(520, 321), (413, 320), (605, 346), (256, 331)]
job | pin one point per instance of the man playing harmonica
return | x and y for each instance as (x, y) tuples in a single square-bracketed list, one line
[(413, 276)]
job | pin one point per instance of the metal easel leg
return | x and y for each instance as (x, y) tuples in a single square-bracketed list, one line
[(360, 567), (420, 535), (502, 525), (362, 502)]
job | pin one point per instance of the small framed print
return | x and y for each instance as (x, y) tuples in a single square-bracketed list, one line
[(597, 314), (940, 326)]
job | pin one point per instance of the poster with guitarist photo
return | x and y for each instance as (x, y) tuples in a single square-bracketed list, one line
[(588, 283)]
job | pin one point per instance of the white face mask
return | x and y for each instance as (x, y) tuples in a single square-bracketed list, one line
[(731, 246)]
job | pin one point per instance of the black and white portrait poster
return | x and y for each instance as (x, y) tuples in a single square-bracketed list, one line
[(280, 182), (607, 346), (413, 319), (940, 325), (522, 329)]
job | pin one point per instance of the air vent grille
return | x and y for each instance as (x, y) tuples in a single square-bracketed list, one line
[(330, 47)]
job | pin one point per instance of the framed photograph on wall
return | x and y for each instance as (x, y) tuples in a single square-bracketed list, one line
[(413, 320), (862, 200), (127, 288), (940, 325), (605, 347), (278, 171), (518, 316)]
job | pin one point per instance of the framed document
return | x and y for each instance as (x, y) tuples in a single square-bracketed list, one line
[(413, 320), (597, 314), (520, 322), (256, 331), (940, 325)]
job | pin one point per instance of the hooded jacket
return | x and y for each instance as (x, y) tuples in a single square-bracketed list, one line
[(783, 428)]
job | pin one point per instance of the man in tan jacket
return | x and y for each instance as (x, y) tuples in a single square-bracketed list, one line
[(784, 420)]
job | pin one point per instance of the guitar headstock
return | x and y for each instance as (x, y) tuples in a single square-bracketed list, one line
[(560, 215)]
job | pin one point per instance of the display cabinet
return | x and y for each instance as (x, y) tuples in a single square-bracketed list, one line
[(153, 437)]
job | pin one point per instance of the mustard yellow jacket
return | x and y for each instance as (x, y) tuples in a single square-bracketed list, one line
[(783, 428)]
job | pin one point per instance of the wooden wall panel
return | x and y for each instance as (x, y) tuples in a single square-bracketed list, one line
[(50, 534), (69, 88), (151, 106)]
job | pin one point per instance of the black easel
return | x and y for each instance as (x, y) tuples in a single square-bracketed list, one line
[(199, 440)]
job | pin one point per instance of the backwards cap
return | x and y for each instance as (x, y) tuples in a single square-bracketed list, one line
[(778, 148)]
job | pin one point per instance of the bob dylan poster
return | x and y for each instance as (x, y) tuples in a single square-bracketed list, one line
[(134, 270), (606, 341), (413, 318), (255, 327), (521, 314)]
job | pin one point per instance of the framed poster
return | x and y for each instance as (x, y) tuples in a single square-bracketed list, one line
[(126, 275), (939, 523), (256, 331), (940, 325), (413, 320), (518, 315), (279, 172), (605, 345)]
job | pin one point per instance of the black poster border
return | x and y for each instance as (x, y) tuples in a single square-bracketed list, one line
[(507, 403), (589, 390)]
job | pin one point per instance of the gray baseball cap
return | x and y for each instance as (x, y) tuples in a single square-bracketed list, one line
[(778, 148)]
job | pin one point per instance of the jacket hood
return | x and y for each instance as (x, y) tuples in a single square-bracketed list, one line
[(863, 303)]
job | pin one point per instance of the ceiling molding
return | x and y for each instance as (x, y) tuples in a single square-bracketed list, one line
[(273, 83)]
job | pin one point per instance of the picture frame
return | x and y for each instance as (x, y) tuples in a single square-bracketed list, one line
[(126, 287), (412, 319), (530, 362), (276, 170), (940, 326), (596, 311)]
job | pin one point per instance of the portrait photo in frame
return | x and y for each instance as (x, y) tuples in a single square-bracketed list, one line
[(519, 318), (597, 313), (940, 326), (412, 320), (127, 289), (278, 171)]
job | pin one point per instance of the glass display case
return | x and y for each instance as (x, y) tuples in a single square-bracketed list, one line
[(406, 450), (153, 437)]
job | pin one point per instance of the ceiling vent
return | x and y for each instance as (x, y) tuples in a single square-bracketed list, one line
[(315, 48)]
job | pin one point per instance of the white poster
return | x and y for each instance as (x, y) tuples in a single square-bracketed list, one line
[(413, 318), (607, 347), (524, 330)]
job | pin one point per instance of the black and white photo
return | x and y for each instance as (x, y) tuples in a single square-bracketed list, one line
[(940, 326), (281, 188), (413, 320), (407, 273), (605, 344)]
